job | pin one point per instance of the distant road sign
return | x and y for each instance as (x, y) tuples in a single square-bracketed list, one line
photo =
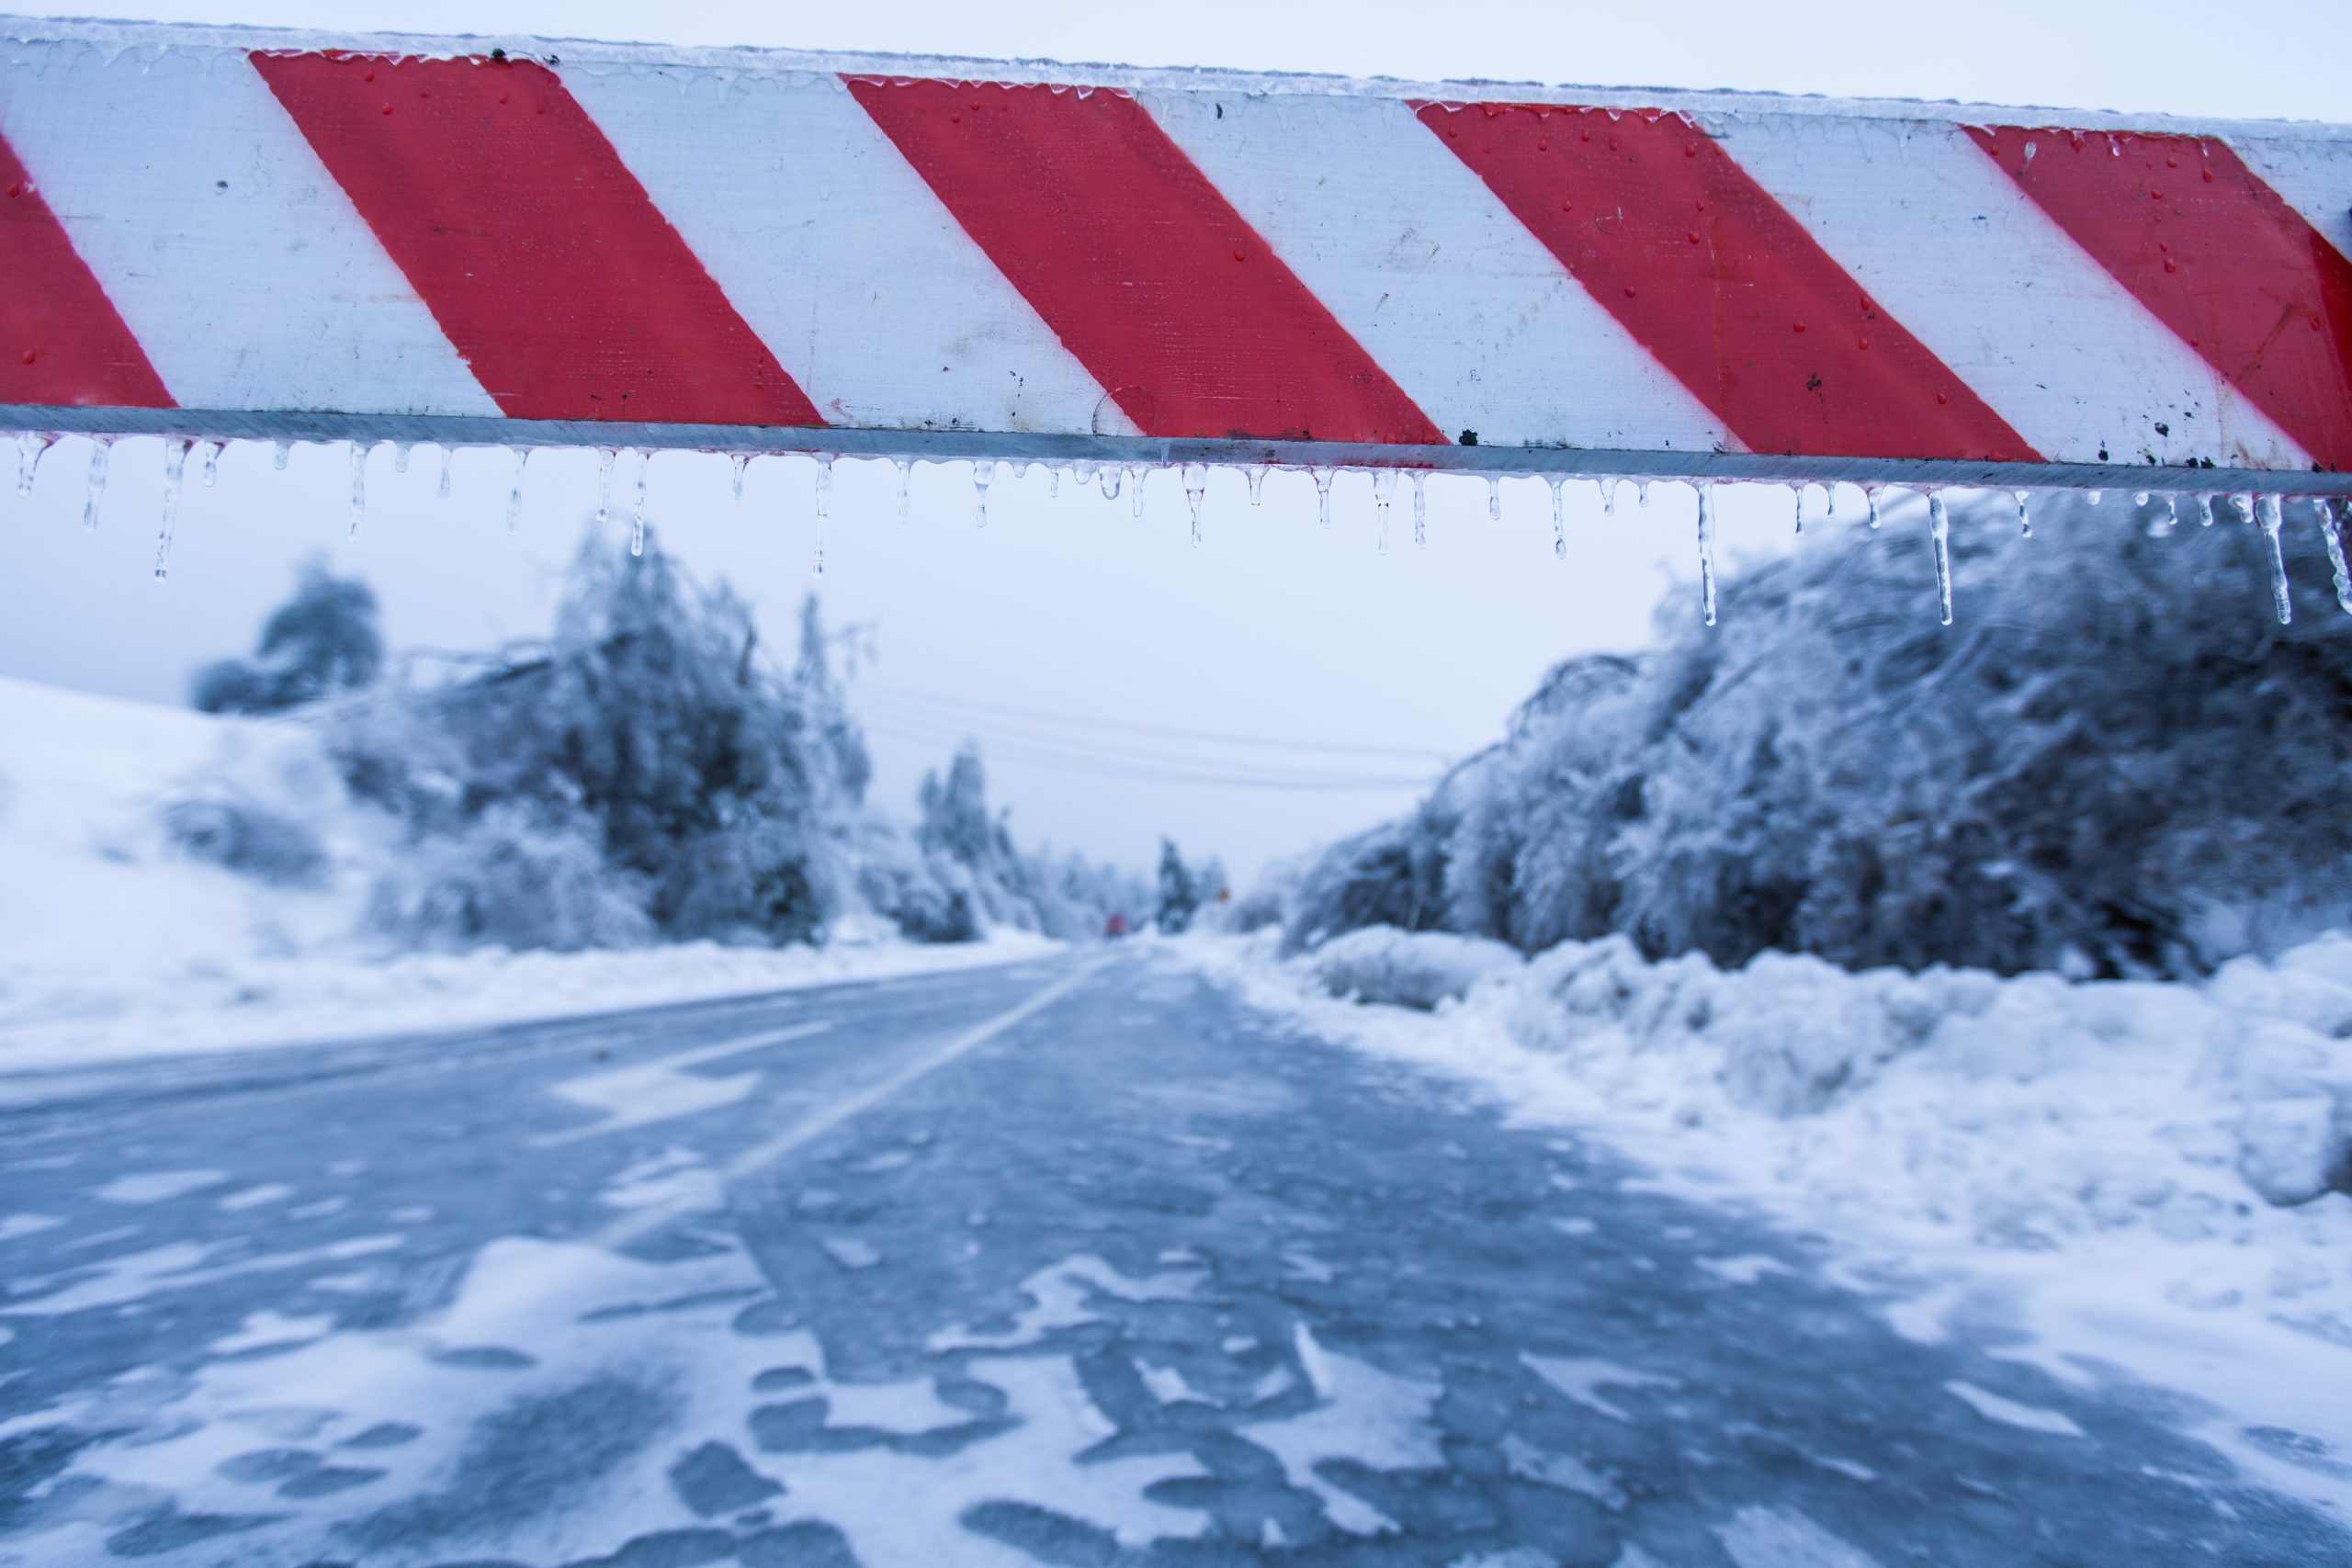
[(263, 234)]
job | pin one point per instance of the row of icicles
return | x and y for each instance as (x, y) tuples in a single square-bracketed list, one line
[(2264, 511)]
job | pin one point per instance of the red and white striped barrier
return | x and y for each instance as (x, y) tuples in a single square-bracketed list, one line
[(243, 234)]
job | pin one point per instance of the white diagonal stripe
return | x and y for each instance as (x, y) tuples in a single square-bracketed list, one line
[(236, 261), (1948, 245), (830, 246), (1464, 309)]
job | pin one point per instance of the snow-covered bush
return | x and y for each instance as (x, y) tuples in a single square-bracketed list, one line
[(508, 878), (1412, 969), (247, 838), (2116, 762)]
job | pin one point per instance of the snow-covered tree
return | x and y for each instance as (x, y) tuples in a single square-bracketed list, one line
[(2116, 762), (319, 642)]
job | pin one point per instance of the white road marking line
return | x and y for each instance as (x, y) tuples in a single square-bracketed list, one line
[(635, 1227)]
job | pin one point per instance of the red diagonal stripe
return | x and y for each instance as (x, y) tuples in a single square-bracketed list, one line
[(538, 253), (2216, 256), (1716, 280), (61, 341), (1147, 274)]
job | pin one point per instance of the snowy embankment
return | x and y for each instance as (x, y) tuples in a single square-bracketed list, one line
[(2149, 1174), (116, 940)]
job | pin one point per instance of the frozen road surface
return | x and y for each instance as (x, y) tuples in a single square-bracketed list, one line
[(1073, 1262)]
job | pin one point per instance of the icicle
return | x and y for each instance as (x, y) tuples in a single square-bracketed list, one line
[(1870, 498), (1054, 481), (441, 490), (2282, 598), (29, 450), (101, 450), (1939, 536), (636, 521), (1323, 496), (1706, 488), (1420, 513), (2242, 504), (1829, 501), (739, 461), (1609, 497), (605, 456), (515, 496), (1798, 491), (983, 474), (399, 456), (358, 486), (2162, 528), (208, 461), (1641, 493), (1136, 474), (1383, 486), (1493, 498), (2331, 532), (824, 496), (284, 449), (906, 467), (2205, 512), (1109, 480), (1559, 523), (1257, 481), (1196, 483), (2024, 514), (1020, 467), (175, 469)]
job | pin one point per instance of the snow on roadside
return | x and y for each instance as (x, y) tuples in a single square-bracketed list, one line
[(2090, 1174), (114, 942)]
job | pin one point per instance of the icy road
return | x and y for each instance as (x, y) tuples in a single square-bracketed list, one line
[(1073, 1262)]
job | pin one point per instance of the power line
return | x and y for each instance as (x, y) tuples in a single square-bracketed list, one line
[(1268, 742)]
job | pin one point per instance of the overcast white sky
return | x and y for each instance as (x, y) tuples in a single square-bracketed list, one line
[(1073, 606)]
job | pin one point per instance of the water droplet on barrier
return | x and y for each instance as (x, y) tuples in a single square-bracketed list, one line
[(515, 496), (283, 449), (399, 456), (1323, 496), (1706, 488), (1641, 493), (1939, 538), (2205, 512), (983, 475), (1109, 481), (101, 453), (637, 520), (1196, 481), (2094, 496), (1420, 513), (175, 471), (605, 456), (358, 486), (29, 447), (2282, 597), (739, 461)]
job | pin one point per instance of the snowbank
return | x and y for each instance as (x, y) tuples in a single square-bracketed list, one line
[(119, 937), (2154, 1175), (1381, 964)]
